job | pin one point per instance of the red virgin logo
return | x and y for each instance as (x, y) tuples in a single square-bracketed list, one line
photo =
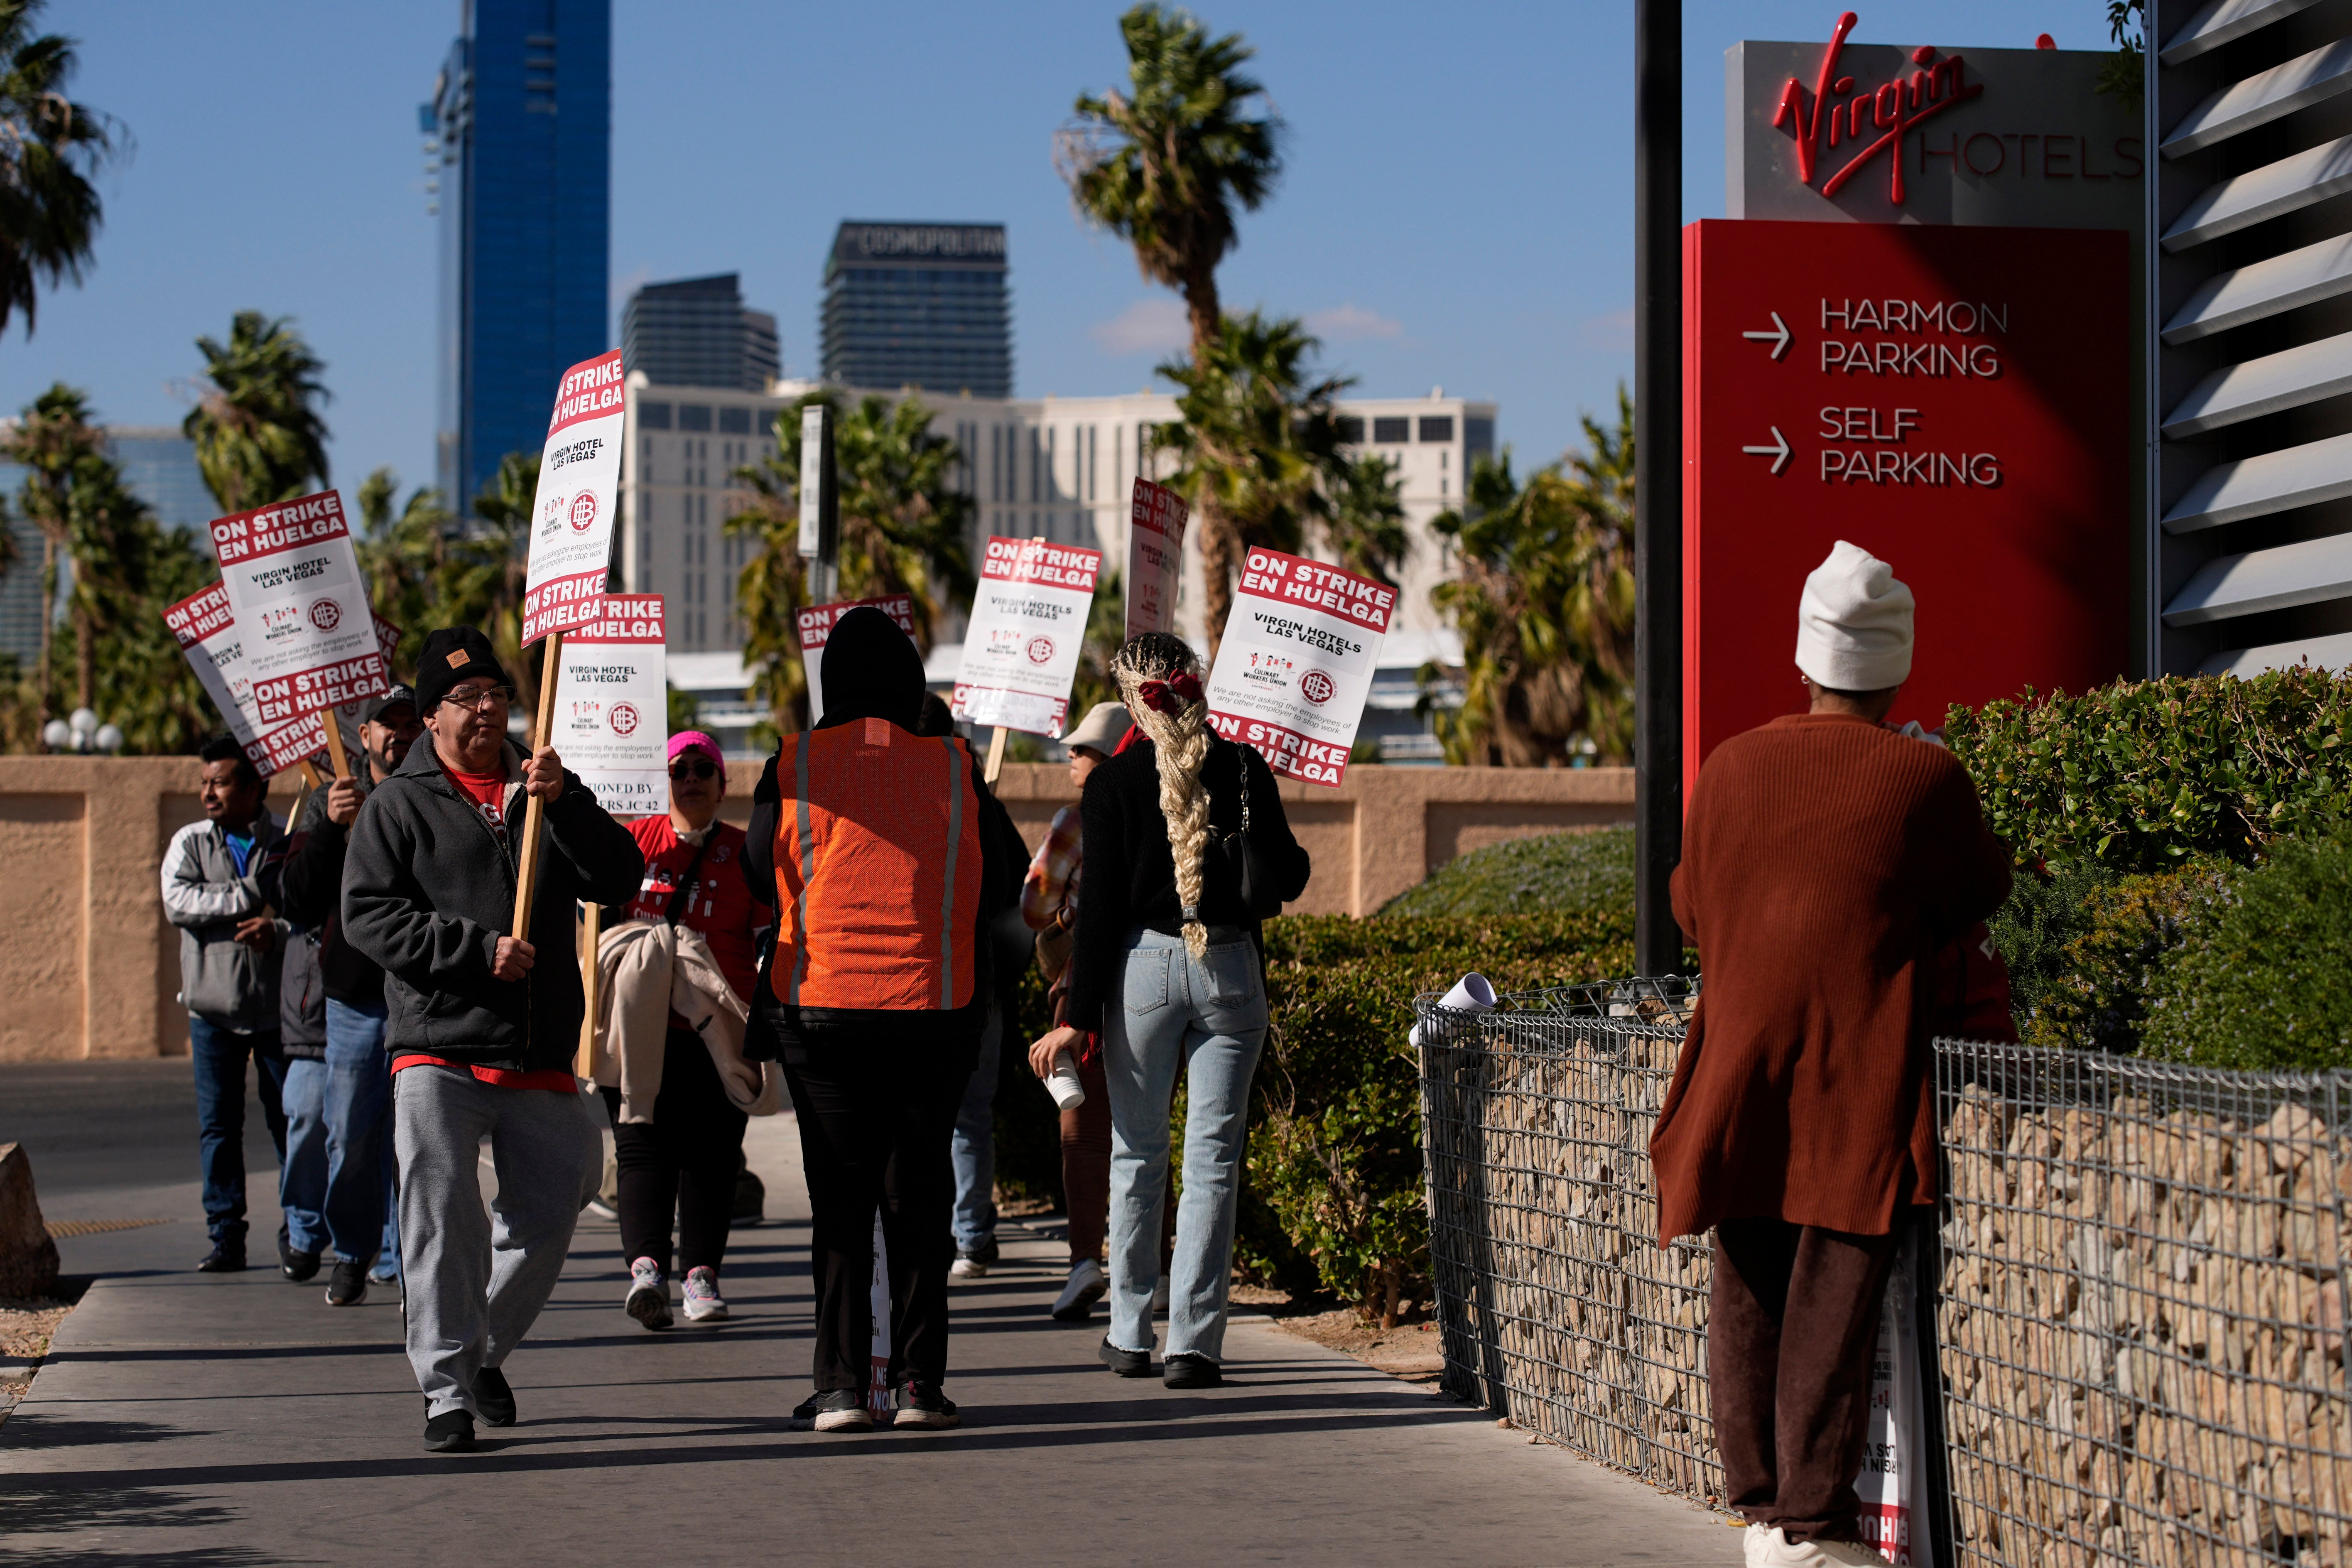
[(1834, 113)]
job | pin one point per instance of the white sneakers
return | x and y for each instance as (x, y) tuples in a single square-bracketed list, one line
[(648, 1298), (701, 1296), (1087, 1285), (1766, 1546)]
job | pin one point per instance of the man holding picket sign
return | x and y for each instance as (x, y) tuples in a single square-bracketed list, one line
[(463, 871)]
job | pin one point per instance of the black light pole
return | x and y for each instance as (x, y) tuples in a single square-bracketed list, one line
[(1657, 479)]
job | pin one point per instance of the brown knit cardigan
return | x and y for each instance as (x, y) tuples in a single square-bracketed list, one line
[(1824, 858)]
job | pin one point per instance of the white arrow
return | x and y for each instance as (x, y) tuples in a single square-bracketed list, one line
[(1777, 452), (1779, 337)]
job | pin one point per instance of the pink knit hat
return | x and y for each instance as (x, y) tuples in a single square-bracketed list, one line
[(696, 740)]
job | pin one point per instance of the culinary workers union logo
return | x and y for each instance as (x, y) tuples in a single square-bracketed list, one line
[(326, 615), (584, 511), (622, 718), (1041, 650), (1317, 686)]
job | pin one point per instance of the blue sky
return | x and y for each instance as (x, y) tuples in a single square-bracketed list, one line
[(1455, 212)]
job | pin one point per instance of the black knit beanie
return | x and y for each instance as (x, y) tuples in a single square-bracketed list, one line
[(449, 656)]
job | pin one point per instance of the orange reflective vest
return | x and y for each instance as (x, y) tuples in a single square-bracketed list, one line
[(877, 870)]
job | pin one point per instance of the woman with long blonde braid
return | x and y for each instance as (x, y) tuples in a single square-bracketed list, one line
[(1167, 970)]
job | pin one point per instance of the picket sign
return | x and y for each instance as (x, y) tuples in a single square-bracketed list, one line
[(877, 1378), (1155, 557), (572, 516), (1894, 1507), (301, 605), (205, 626), (815, 624), (1296, 662), (612, 707), (1028, 627)]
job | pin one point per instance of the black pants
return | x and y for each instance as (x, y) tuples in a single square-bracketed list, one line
[(685, 1160), (876, 1110)]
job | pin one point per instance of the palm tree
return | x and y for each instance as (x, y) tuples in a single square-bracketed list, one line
[(259, 434), (1365, 524), (904, 524), (53, 438), (407, 558), (1162, 167), (1545, 606), (49, 147), (1253, 438), (485, 572)]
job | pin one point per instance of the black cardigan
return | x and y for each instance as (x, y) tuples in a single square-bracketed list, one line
[(1130, 876)]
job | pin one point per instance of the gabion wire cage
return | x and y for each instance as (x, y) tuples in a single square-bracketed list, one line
[(2142, 1301)]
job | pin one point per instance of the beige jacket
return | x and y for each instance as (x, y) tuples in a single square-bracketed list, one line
[(646, 970)]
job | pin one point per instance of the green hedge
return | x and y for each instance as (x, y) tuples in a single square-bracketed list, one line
[(1332, 1196), (2141, 776), (1575, 872)]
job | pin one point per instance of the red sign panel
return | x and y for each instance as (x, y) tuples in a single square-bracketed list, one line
[(1951, 399)]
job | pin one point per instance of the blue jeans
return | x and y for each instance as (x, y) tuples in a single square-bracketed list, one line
[(973, 1148), (362, 1223), (219, 1055), (1206, 1016), (303, 1173)]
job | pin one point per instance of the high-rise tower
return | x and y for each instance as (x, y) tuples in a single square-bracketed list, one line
[(520, 124), (919, 304), (696, 333)]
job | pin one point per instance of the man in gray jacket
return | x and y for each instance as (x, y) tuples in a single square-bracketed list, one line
[(481, 1027), (220, 884)]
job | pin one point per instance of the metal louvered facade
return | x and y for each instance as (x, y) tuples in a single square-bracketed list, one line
[(2249, 109)]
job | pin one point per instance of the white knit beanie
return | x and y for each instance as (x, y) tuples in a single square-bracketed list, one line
[(1853, 622)]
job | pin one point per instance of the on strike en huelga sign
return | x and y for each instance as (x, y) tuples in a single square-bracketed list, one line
[(1296, 662), (815, 624), (207, 630), (611, 705), (1028, 625), (572, 514), (301, 608), (1155, 557)]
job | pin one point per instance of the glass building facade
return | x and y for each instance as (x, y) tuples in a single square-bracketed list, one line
[(696, 333), (919, 304), (158, 463), (520, 126)]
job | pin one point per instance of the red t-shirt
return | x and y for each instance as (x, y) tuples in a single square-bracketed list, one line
[(489, 794), (719, 904)]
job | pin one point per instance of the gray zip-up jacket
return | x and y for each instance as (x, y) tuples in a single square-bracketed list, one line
[(428, 890), (221, 980)]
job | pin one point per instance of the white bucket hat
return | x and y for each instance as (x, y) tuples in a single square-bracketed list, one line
[(1853, 622)]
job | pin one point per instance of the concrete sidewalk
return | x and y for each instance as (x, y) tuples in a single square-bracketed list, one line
[(226, 1420)]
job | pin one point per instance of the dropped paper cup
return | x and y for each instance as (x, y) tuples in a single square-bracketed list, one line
[(1471, 993)]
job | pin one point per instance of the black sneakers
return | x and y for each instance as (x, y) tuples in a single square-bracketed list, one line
[(1127, 1363), (297, 1267), (834, 1410), (494, 1397), (451, 1432), (1187, 1370), (347, 1285), (226, 1258), (922, 1404)]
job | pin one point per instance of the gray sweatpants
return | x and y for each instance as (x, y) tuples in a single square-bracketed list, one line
[(470, 1290)]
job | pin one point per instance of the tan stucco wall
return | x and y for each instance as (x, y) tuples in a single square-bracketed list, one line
[(89, 967)]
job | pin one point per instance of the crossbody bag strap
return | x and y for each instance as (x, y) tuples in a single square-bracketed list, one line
[(675, 911)]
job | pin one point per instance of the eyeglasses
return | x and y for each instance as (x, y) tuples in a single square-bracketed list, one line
[(481, 699), (698, 769)]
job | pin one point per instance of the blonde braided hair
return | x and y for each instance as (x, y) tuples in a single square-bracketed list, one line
[(1180, 743)]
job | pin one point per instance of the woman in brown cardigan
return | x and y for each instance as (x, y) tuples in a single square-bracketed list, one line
[(1825, 859)]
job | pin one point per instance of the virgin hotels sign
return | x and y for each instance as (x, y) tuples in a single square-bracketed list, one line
[(1894, 134)]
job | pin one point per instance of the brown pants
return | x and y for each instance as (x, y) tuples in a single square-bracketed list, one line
[(1792, 1335), (1085, 1172)]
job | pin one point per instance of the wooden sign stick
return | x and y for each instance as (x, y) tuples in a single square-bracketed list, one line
[(335, 752), (527, 868), (585, 1064), (996, 753), (309, 774)]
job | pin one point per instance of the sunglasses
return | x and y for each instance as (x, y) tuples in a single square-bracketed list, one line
[(698, 769)]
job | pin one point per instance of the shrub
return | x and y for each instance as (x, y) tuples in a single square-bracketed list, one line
[(2126, 931), (2265, 979), (2044, 913), (2139, 775), (1580, 871)]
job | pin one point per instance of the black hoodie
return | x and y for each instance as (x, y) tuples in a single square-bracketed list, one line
[(428, 890)]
